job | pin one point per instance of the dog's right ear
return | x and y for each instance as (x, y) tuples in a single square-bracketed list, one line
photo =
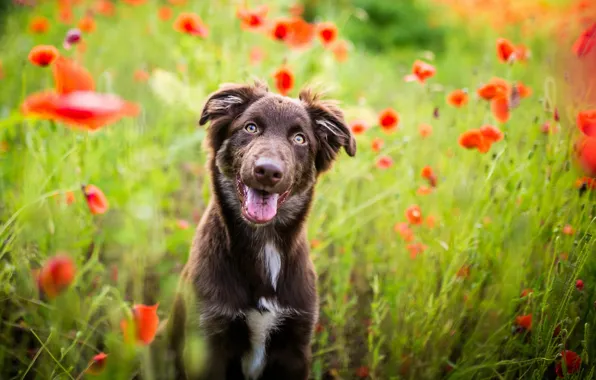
[(225, 104)]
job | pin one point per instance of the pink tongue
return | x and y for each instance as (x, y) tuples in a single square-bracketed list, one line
[(259, 206)]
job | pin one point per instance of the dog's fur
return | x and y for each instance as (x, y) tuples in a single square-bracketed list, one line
[(252, 286)]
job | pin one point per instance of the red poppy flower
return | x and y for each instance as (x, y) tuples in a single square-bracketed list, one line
[(457, 98), (586, 122), (69, 76), (403, 229), (495, 87), (389, 120), (414, 214), (522, 53), (377, 144), (141, 75), (301, 33), (191, 23), (56, 275), (568, 230), (526, 292), (499, 106), (43, 55), (428, 174), (70, 198), (549, 128), (96, 200), (280, 29), (177, 2), (473, 139), (416, 249), (424, 190), (182, 224), (425, 130), (421, 71), (39, 25), (284, 80), (340, 50), (362, 372), (81, 109), (523, 90), (586, 152), (524, 321), (253, 19), (164, 13), (256, 55), (491, 133), (589, 183), (384, 162), (97, 364), (135, 2), (143, 325), (573, 363), (87, 24), (586, 41), (327, 32), (358, 127), (505, 50), (105, 8), (579, 285)]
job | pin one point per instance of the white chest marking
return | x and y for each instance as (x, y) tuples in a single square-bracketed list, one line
[(272, 262), (259, 326)]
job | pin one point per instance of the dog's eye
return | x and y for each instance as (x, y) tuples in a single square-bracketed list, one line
[(251, 128), (299, 139)]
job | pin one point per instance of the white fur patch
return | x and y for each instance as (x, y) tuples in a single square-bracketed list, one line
[(259, 326), (272, 262), (331, 127), (225, 103)]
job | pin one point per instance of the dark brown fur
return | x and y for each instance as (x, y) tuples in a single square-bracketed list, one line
[(225, 277)]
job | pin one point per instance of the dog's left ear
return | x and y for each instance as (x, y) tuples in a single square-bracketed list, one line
[(330, 129), (225, 104)]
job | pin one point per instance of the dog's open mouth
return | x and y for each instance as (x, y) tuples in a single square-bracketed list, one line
[(259, 206)]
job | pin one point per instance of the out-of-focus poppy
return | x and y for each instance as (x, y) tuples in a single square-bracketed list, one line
[(389, 120), (457, 98), (586, 122), (414, 214), (526, 292), (97, 364), (416, 249), (377, 144), (73, 37), (39, 25), (505, 50), (191, 23), (568, 230), (362, 372), (105, 8), (135, 2), (301, 33), (463, 272), (524, 321), (70, 198), (56, 275), (69, 76), (586, 151), (495, 87), (586, 41), (499, 107), (384, 162), (182, 224), (425, 130), (491, 133), (141, 75), (579, 285), (573, 363), (256, 55), (43, 55), (421, 71), (253, 19), (164, 13), (428, 174), (522, 53), (280, 29), (284, 80), (96, 200), (81, 109), (143, 325), (340, 50), (424, 190), (523, 90), (473, 139), (327, 32), (87, 24), (403, 229), (358, 127)]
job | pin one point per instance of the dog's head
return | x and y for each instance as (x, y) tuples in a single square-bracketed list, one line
[(271, 147)]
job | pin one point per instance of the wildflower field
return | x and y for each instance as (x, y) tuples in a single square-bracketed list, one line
[(456, 244)]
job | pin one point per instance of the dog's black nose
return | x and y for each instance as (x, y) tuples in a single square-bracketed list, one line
[(268, 172)]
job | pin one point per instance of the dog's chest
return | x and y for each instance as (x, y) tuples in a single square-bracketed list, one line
[(265, 319)]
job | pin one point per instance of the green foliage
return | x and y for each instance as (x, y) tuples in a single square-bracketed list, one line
[(380, 26)]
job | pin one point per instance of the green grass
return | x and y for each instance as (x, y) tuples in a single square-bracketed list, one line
[(500, 213)]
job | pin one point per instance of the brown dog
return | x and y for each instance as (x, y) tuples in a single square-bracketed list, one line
[(253, 286)]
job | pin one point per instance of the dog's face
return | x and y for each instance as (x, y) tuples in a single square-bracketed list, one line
[(271, 147)]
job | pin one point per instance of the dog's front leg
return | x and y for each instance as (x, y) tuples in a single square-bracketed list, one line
[(291, 363)]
